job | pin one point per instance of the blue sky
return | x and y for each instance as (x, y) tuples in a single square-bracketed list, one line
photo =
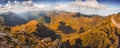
[(101, 7), (110, 3)]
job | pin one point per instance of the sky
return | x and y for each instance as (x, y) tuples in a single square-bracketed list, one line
[(110, 3), (100, 7)]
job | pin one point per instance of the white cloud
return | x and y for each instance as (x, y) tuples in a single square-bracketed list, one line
[(27, 3), (88, 4), (87, 7), (18, 7)]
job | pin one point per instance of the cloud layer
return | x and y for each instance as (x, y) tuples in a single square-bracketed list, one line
[(87, 7)]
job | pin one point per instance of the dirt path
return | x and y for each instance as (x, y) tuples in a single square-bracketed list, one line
[(3, 34), (114, 22)]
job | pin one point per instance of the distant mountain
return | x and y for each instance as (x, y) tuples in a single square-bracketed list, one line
[(12, 19)]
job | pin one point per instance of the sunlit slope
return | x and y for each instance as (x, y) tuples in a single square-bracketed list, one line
[(63, 30)]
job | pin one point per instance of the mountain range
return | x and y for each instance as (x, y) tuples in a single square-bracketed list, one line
[(58, 29)]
